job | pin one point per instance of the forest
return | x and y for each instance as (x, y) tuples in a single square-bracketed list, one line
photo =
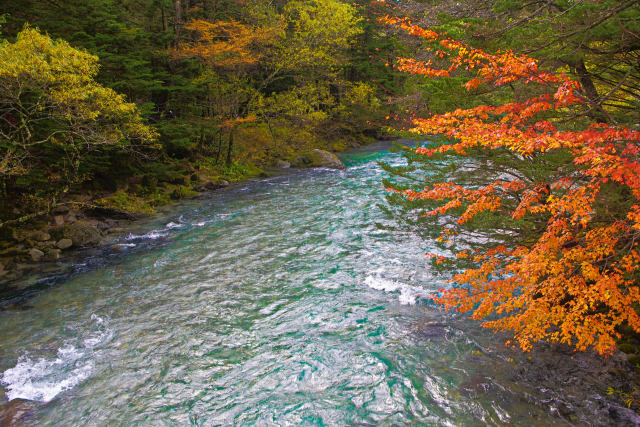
[(132, 102), (517, 122)]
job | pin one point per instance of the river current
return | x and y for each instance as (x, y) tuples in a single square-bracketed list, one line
[(279, 302)]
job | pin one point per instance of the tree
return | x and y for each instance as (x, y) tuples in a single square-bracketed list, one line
[(571, 276), (50, 103)]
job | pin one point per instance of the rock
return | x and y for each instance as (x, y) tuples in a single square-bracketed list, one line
[(17, 412), (327, 159), (64, 243), (54, 254), (18, 236), (44, 246), (102, 226), (115, 230), (318, 159), (40, 236), (210, 186), (283, 164), (80, 233), (107, 213), (58, 220), (36, 254)]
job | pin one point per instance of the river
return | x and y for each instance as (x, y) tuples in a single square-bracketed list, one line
[(279, 302)]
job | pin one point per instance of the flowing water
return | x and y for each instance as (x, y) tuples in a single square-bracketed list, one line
[(279, 302)]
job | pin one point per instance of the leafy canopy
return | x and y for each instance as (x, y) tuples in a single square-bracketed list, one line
[(49, 98)]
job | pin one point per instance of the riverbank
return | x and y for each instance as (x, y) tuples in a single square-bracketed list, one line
[(278, 300), (43, 245)]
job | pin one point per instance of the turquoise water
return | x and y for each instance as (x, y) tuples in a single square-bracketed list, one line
[(278, 303)]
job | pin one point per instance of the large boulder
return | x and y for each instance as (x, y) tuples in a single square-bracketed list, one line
[(80, 233), (318, 159)]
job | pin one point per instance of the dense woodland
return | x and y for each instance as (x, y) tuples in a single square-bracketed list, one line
[(146, 98), (530, 181)]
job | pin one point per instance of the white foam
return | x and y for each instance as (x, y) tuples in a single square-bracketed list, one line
[(153, 234), (126, 245), (173, 225), (407, 295), (272, 307), (42, 379)]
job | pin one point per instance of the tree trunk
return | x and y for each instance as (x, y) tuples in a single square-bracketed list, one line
[(219, 146), (230, 147), (590, 91), (177, 23)]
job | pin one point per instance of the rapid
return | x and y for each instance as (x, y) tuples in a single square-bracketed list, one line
[(280, 302)]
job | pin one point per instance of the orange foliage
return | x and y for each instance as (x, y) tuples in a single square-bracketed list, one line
[(579, 281), (225, 44)]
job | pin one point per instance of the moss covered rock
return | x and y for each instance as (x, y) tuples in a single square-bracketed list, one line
[(80, 233), (318, 159)]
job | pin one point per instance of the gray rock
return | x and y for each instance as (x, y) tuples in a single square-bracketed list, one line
[(80, 233), (36, 254), (43, 246), (327, 159), (54, 254), (318, 159), (283, 164), (58, 220), (210, 186), (64, 243), (40, 236)]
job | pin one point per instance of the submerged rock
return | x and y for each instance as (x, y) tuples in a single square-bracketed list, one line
[(318, 159), (16, 412)]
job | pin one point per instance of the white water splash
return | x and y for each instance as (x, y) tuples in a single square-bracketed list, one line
[(407, 295), (153, 234), (173, 225), (42, 379)]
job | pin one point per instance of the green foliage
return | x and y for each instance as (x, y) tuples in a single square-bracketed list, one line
[(314, 82), (56, 117)]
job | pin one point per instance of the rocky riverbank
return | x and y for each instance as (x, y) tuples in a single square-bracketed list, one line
[(41, 246)]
